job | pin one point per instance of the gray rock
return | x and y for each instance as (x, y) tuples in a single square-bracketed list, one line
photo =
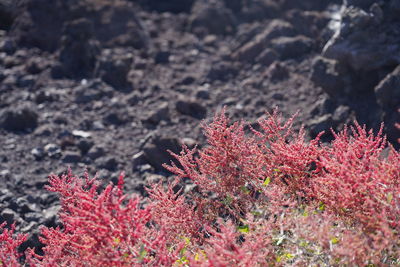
[(79, 50), (342, 114), (189, 142), (85, 145), (323, 105), (212, 18), (267, 57), (71, 157), (5, 194), (30, 227), (319, 124), (52, 150), (38, 153), (234, 5), (19, 118), (292, 47), (33, 237), (98, 126), (26, 205), (96, 152), (203, 93), (191, 108), (387, 92), (8, 46), (6, 174), (250, 50), (134, 98), (114, 24), (92, 90), (8, 215), (188, 80), (173, 6), (325, 74), (32, 217), (137, 160), (365, 4), (116, 118), (257, 10), (47, 198), (113, 68), (156, 153), (7, 13), (277, 72), (109, 163), (222, 71), (81, 134), (50, 218), (363, 42), (161, 113), (36, 65), (44, 96), (162, 57)]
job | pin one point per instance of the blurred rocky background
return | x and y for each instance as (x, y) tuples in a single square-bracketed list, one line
[(110, 85)]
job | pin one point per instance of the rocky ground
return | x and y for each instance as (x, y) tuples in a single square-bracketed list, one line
[(110, 85)]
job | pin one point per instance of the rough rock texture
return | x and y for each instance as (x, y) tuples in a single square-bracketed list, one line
[(110, 85)]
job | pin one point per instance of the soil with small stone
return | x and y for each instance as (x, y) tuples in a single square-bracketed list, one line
[(109, 86)]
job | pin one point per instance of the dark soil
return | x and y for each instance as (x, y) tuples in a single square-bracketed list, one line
[(108, 86)]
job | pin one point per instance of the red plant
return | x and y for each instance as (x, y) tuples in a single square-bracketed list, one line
[(9, 244), (265, 198), (100, 229), (366, 185)]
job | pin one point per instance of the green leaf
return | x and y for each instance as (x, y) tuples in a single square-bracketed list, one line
[(245, 190), (228, 200), (256, 213), (196, 257), (305, 213), (142, 252), (187, 240), (183, 251), (321, 206), (334, 240), (267, 181), (200, 254), (303, 244), (244, 229), (389, 197), (288, 256), (182, 260)]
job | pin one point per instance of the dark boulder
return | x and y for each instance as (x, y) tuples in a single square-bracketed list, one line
[(173, 6), (113, 68), (191, 108), (156, 154), (79, 50), (212, 18), (387, 92), (292, 47), (19, 118), (7, 13)]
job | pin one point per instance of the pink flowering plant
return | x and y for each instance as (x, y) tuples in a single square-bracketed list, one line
[(264, 198)]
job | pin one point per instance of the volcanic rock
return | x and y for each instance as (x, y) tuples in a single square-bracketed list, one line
[(19, 118)]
